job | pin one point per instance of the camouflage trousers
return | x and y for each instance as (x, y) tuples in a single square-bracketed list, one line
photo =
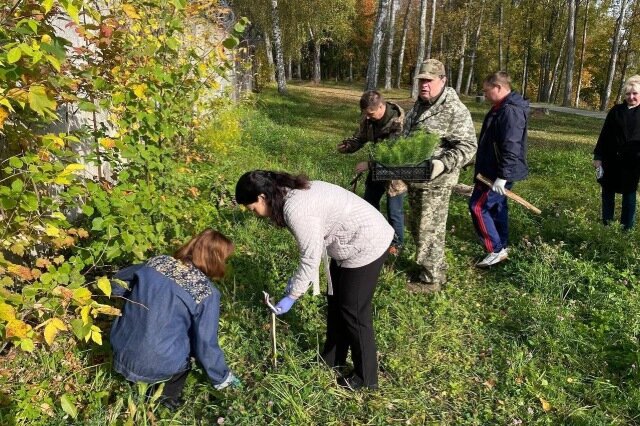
[(429, 208)]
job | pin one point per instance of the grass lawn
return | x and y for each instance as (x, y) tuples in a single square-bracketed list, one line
[(549, 337)]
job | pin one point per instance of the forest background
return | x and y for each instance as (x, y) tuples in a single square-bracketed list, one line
[(123, 126)]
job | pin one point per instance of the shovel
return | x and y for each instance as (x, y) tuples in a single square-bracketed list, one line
[(515, 197), (274, 349)]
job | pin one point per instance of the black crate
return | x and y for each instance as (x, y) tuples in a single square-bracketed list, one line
[(420, 172)]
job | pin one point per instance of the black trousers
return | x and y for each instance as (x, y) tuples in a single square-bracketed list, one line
[(173, 387), (350, 319)]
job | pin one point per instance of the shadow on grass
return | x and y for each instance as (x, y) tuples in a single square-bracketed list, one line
[(7, 410)]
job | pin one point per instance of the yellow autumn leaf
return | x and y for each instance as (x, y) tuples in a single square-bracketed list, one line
[(96, 334), (107, 310), (54, 140), (220, 51), (84, 313), (107, 143), (130, 11), (18, 94), (105, 285), (139, 90), (545, 404), (27, 345), (20, 271), (17, 328), (4, 113), (70, 169), (5, 102), (81, 295), (63, 292), (202, 69), (7, 313), (52, 329), (52, 231)]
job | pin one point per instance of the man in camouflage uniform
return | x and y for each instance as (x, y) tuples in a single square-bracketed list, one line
[(380, 120), (438, 110)]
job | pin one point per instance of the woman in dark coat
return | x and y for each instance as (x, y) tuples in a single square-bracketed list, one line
[(616, 156)]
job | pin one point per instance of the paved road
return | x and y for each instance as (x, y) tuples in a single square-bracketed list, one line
[(567, 110)]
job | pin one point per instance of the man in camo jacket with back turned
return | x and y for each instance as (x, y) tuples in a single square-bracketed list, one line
[(437, 110)]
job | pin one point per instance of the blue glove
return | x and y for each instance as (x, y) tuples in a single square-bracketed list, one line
[(231, 381), (236, 383), (284, 305)]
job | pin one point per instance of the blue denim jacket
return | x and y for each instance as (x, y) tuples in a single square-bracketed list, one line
[(171, 313)]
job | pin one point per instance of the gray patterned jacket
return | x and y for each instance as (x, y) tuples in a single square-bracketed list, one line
[(326, 215), (450, 119)]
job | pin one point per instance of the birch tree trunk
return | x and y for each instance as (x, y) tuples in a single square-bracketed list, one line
[(373, 68), (474, 50), (269, 49), (395, 4), (629, 49), (615, 48), (527, 55), (463, 48), (623, 72), (432, 25), (544, 91), (316, 72), (289, 69), (554, 76), (299, 68), (316, 62), (421, 40), (277, 43), (500, 26), (584, 47), (572, 7), (403, 42), (350, 69)]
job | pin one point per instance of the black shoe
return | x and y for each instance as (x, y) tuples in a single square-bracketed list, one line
[(353, 383), (173, 404)]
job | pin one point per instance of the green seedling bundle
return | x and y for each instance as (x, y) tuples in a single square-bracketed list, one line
[(408, 150)]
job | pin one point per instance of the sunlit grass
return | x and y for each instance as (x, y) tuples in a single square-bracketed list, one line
[(550, 337)]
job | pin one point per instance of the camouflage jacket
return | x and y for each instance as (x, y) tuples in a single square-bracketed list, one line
[(366, 132), (450, 119)]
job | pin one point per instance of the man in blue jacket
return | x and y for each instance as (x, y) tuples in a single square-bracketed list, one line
[(501, 158)]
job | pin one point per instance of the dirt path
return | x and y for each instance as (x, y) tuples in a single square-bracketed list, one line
[(567, 110), (400, 97)]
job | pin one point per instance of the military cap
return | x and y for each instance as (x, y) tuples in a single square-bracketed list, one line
[(430, 69)]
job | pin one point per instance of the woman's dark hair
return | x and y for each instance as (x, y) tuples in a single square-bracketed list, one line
[(207, 251), (274, 186)]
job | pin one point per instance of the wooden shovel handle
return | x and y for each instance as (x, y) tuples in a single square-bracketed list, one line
[(515, 197)]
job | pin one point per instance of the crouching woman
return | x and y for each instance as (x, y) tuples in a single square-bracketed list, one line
[(356, 237), (171, 314)]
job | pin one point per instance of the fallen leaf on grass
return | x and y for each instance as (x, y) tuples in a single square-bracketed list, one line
[(489, 383), (545, 404)]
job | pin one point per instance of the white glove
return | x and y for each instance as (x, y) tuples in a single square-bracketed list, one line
[(437, 167), (498, 186), (599, 172)]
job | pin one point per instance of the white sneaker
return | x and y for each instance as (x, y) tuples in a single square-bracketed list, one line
[(493, 259)]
